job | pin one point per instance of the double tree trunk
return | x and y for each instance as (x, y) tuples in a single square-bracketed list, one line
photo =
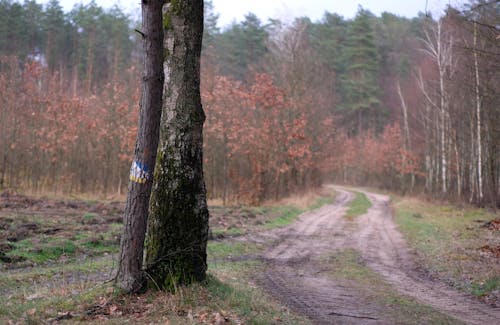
[(130, 274), (178, 222)]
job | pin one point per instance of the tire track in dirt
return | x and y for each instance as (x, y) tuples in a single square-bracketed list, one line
[(385, 251), (296, 279), (294, 276)]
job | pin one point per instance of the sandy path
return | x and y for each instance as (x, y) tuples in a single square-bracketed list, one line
[(295, 278)]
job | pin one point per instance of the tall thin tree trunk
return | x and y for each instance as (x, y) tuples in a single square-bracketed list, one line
[(478, 120), (473, 165), (90, 61), (130, 274), (441, 51), (442, 130), (457, 158), (178, 223), (76, 63), (406, 127), (224, 171)]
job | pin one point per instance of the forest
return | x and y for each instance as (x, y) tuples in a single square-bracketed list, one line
[(409, 105)]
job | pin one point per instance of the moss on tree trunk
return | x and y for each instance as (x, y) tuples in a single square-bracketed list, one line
[(178, 221)]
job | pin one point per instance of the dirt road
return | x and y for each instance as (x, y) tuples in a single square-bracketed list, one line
[(296, 275)]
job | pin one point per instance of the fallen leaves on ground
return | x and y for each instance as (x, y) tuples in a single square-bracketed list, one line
[(493, 224), (491, 250)]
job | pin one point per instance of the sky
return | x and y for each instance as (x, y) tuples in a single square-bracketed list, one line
[(234, 10)]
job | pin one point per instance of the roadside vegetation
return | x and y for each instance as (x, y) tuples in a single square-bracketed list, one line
[(347, 266), (233, 221), (57, 257), (460, 245), (358, 206)]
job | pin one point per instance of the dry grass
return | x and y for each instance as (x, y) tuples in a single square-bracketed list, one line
[(453, 244), (305, 200), (87, 197), (68, 287)]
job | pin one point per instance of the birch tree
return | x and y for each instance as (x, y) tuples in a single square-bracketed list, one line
[(439, 47)]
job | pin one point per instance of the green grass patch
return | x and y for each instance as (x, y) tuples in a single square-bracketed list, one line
[(226, 292), (99, 246), (286, 215), (250, 304), (358, 206), (348, 266), (406, 310), (484, 288), (225, 249), (321, 201), (259, 210), (44, 251), (33, 295), (289, 213), (231, 232), (448, 242), (90, 216)]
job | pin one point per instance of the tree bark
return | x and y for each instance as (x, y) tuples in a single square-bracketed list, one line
[(178, 223), (130, 274), (406, 127), (478, 120), (440, 49)]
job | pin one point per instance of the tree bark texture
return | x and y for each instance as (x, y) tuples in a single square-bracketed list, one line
[(178, 223), (130, 274), (478, 120)]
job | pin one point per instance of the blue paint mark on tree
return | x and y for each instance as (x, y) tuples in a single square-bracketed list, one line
[(139, 172)]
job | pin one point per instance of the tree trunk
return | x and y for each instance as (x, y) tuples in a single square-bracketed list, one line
[(130, 275), (224, 170), (90, 61), (178, 223), (478, 120), (406, 127)]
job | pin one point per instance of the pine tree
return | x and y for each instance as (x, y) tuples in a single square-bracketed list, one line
[(327, 38), (359, 80), (242, 46), (130, 275), (210, 30)]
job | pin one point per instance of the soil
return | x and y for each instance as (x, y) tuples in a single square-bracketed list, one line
[(23, 217), (294, 275), (294, 272)]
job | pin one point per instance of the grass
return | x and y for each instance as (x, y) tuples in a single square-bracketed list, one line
[(248, 301), (347, 266), (321, 201), (33, 295), (55, 286), (358, 206), (222, 250), (233, 221), (226, 294), (231, 232), (481, 289), (288, 213), (73, 240), (49, 250), (90, 216), (448, 239)]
